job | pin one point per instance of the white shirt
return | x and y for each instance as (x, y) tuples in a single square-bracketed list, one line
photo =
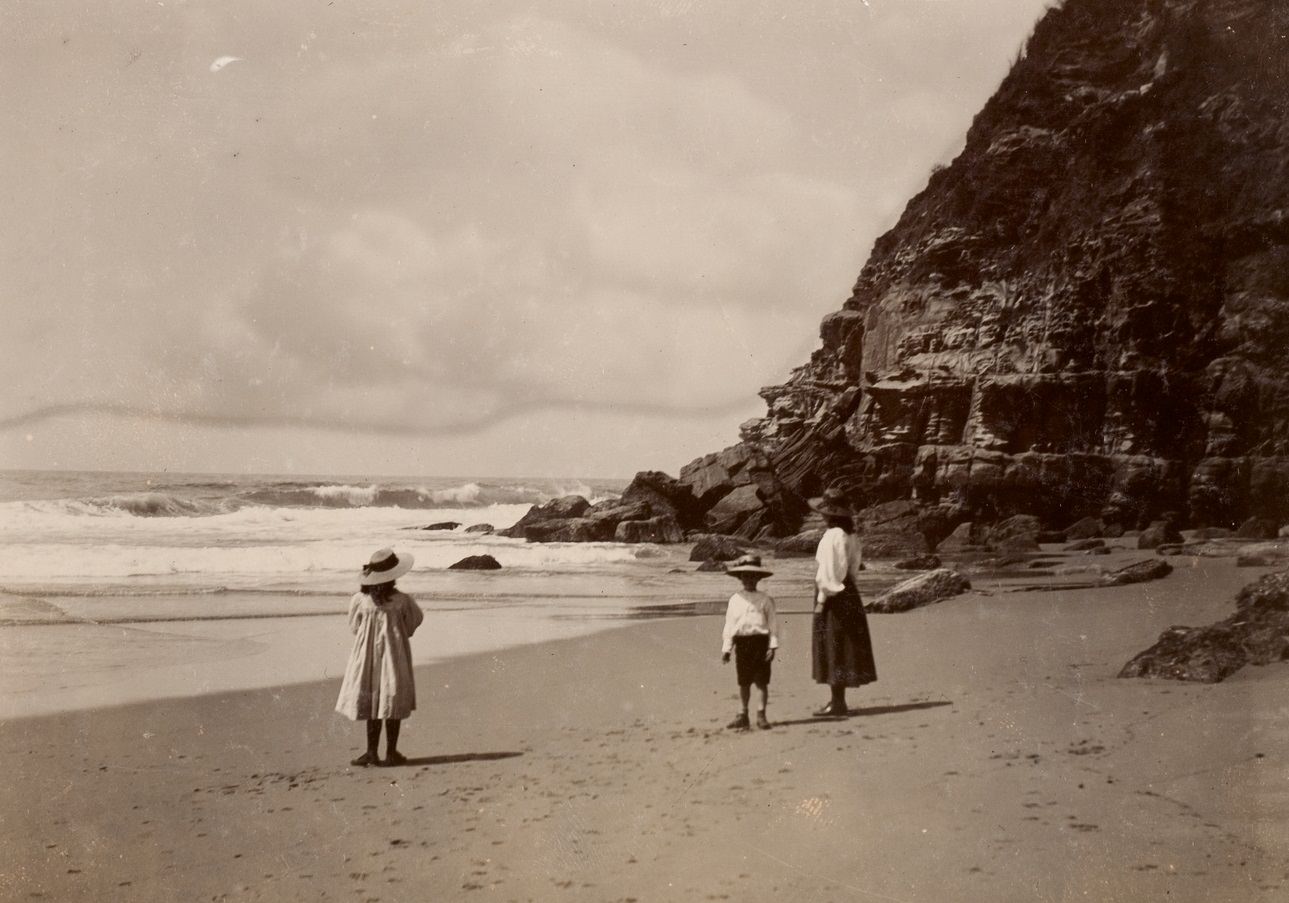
[(839, 556), (749, 613)]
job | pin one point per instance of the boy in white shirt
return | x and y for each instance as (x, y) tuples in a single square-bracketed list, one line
[(752, 634)]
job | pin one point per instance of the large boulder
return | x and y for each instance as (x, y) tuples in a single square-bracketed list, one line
[(1257, 528), (713, 476), (570, 529), (803, 545), (665, 495), (924, 589), (560, 509), (1018, 533), (715, 546), (727, 515), (481, 528), (1085, 528), (603, 517), (966, 537), (892, 530), (1258, 633), (1159, 533), (655, 529), (1139, 572)]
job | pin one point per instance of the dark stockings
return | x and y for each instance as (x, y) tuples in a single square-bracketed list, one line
[(392, 726), (838, 697)]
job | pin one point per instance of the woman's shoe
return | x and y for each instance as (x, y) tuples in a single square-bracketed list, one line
[(394, 758), (367, 758), (740, 723), (762, 722), (831, 711)]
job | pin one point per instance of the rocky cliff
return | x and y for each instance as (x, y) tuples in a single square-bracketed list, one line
[(1086, 313)]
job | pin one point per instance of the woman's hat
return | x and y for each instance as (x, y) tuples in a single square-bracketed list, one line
[(748, 564), (385, 567), (833, 503)]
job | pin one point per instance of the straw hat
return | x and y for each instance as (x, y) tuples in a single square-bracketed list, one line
[(833, 503), (385, 567), (748, 564)]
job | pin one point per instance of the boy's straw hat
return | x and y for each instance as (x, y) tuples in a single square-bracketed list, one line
[(748, 564), (385, 567), (832, 502)]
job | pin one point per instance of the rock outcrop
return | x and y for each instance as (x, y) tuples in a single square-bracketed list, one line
[(1258, 633), (1082, 317)]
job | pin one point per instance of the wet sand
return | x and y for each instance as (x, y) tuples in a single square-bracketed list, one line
[(998, 758)]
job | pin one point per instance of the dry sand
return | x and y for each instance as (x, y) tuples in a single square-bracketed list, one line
[(998, 758)]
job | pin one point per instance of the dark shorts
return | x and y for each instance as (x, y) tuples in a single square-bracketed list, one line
[(749, 659)]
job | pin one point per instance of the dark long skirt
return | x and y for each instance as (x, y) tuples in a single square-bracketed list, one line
[(842, 650)]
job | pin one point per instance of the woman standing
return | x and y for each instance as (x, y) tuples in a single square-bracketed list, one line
[(842, 650), (378, 685)]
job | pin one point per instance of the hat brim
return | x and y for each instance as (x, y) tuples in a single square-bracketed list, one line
[(405, 562), (822, 507), (759, 572)]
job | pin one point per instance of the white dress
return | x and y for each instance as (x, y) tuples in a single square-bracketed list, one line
[(378, 679)]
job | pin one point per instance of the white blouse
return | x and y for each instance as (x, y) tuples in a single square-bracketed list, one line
[(839, 555)]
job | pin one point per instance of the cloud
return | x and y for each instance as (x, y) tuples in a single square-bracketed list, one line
[(426, 220)]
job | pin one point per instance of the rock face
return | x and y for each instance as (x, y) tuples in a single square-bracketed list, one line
[(1083, 316), (924, 589), (1258, 633)]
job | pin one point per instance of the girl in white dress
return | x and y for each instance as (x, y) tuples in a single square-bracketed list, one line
[(378, 684), (841, 647)]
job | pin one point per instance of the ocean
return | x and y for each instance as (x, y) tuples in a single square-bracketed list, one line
[(120, 587)]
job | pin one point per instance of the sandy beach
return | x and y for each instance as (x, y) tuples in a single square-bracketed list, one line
[(997, 758)]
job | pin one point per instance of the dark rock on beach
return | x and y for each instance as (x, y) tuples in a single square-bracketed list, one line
[(1257, 528), (1258, 633), (476, 563), (711, 565), (1085, 528), (1159, 533), (481, 528), (1017, 533), (803, 545), (1139, 572), (924, 589), (721, 548), (442, 525), (560, 510)]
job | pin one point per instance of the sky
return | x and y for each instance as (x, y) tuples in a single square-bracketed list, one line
[(448, 238)]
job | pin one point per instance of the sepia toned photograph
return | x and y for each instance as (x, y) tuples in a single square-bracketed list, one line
[(644, 451)]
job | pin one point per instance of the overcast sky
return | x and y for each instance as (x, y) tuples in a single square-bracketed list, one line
[(503, 238)]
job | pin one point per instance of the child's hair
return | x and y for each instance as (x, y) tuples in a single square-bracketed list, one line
[(837, 520), (379, 592)]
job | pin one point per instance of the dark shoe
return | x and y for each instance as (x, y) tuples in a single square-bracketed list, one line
[(831, 711), (740, 723), (761, 721), (367, 758), (394, 758)]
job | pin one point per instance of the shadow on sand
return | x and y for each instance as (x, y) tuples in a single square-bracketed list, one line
[(459, 757), (867, 712)]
